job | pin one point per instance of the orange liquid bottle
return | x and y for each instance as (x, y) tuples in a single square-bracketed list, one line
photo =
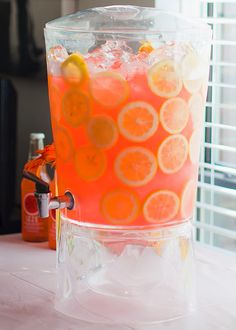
[(33, 228)]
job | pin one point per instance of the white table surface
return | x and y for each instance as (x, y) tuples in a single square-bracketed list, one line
[(28, 281)]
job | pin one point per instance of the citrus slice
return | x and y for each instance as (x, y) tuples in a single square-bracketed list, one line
[(109, 88), (120, 206), (90, 163), (184, 246), (55, 102), (188, 199), (63, 144), (102, 131), (74, 69), (135, 166), (138, 121), (164, 79), (146, 47), (162, 205), (193, 70), (172, 153), (75, 107), (196, 107), (174, 115), (194, 146)]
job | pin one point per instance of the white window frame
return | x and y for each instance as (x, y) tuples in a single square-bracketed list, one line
[(207, 204)]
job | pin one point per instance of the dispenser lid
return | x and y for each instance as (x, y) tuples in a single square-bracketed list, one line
[(129, 20)]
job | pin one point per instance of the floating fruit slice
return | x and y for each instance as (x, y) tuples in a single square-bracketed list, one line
[(138, 121), (109, 88), (162, 205), (194, 146), (75, 107), (174, 115), (184, 247), (102, 131), (164, 79), (146, 47), (30, 204), (63, 144), (188, 199), (196, 107), (55, 102), (172, 153), (74, 69), (120, 206), (193, 70), (90, 163), (135, 166)]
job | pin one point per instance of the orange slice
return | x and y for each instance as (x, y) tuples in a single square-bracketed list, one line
[(188, 199), (74, 69), (75, 107), (63, 144), (120, 206), (194, 146), (162, 205), (135, 166), (196, 108), (138, 121), (102, 131), (193, 71), (164, 79), (173, 153), (90, 163), (109, 88), (174, 115)]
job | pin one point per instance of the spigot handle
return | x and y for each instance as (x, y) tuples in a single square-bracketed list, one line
[(40, 185)]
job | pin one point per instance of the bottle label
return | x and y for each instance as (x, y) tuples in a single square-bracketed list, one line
[(30, 205), (33, 223)]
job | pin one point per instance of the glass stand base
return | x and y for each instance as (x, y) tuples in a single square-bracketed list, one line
[(126, 277)]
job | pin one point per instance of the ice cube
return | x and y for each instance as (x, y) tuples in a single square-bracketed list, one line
[(108, 55), (137, 267), (55, 56)]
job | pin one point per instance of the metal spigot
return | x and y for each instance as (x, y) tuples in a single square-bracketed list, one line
[(43, 196)]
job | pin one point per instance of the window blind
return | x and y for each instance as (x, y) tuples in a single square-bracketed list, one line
[(215, 217)]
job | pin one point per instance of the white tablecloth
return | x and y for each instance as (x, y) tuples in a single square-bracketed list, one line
[(28, 280)]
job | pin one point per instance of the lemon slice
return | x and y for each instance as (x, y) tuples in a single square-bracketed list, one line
[(174, 115), (188, 199), (164, 79), (63, 144), (102, 131), (196, 108), (194, 146), (109, 89), (90, 163), (75, 107), (120, 206), (172, 153), (138, 121), (162, 205), (193, 71), (135, 166), (74, 69)]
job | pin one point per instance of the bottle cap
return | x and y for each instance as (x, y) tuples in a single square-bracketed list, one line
[(36, 136)]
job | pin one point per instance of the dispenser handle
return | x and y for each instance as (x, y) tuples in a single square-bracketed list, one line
[(41, 186)]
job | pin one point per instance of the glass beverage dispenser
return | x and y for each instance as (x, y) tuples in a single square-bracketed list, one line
[(127, 87)]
